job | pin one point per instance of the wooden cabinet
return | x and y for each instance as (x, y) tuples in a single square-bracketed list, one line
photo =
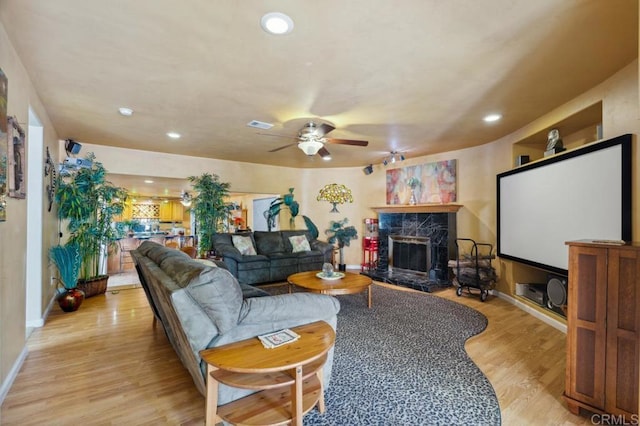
[(603, 328), (172, 211)]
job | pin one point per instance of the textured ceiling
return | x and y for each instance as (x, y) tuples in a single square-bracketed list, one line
[(415, 76)]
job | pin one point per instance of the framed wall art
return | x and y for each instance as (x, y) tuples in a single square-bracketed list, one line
[(16, 160), (431, 183), (3, 145)]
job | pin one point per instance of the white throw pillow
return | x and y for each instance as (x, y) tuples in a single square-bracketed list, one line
[(243, 244), (299, 243)]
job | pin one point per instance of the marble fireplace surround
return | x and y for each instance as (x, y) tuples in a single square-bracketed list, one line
[(434, 221)]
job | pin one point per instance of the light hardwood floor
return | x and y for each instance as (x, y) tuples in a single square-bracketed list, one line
[(106, 364)]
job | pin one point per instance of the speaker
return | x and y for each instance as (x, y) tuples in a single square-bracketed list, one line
[(522, 160), (72, 147), (557, 294), (368, 170)]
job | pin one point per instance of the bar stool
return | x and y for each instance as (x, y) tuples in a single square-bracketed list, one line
[(126, 246)]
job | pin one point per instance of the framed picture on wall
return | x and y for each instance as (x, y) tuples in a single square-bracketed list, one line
[(16, 160), (3, 145)]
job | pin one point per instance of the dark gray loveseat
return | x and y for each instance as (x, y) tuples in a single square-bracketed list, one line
[(274, 259)]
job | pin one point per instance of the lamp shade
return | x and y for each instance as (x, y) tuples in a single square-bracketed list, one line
[(310, 147)]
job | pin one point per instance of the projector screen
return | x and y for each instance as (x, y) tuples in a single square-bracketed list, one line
[(583, 194)]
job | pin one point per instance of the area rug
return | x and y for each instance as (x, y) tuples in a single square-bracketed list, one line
[(403, 363)]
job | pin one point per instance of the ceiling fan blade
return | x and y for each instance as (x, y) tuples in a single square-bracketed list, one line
[(347, 142), (323, 152), (275, 135), (323, 129), (283, 147)]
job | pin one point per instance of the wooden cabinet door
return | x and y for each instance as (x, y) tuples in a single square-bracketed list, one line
[(623, 332), (177, 211), (586, 325), (166, 212)]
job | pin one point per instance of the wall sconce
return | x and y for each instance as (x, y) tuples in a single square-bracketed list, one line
[(335, 194), (393, 157)]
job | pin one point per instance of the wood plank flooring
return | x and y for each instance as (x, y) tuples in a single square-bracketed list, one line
[(105, 364)]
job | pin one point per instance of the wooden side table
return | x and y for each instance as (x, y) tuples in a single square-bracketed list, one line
[(289, 378)]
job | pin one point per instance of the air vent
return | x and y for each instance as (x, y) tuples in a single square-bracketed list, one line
[(259, 124)]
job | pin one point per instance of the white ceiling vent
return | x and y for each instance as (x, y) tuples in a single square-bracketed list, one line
[(259, 124)]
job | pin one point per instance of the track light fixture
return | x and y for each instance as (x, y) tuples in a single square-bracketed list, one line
[(393, 157)]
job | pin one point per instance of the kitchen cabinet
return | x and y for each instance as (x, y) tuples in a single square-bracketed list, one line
[(172, 211), (603, 328)]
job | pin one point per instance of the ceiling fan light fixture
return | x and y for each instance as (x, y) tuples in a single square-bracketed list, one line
[(310, 147), (277, 23)]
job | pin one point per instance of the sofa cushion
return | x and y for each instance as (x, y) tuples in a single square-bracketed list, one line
[(285, 238), (218, 293), (244, 244), (268, 242), (299, 243)]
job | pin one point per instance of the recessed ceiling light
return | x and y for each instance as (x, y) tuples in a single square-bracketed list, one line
[(127, 112), (148, 181), (492, 117), (174, 135), (277, 23)]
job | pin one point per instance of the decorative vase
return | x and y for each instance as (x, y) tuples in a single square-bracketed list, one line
[(412, 200), (71, 299)]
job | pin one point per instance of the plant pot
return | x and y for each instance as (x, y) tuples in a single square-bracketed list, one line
[(94, 286), (342, 267), (71, 299)]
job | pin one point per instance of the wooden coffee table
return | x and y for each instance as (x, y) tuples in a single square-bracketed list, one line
[(289, 378), (350, 284)]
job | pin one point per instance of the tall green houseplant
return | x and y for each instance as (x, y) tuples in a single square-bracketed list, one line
[(89, 203), (210, 208)]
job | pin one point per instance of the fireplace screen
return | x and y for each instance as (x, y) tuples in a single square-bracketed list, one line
[(409, 254)]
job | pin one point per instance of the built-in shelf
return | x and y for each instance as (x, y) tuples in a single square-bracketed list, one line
[(418, 208)]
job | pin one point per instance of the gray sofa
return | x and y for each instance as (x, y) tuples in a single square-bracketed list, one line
[(274, 259), (201, 305)]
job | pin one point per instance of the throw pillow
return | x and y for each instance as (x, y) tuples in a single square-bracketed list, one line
[(243, 244), (299, 243)]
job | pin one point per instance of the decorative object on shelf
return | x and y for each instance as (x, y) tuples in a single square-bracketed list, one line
[(68, 261), (50, 171), (392, 158), (341, 234), (554, 143), (335, 194), (16, 157), (3, 145), (426, 183), (90, 203), (209, 208)]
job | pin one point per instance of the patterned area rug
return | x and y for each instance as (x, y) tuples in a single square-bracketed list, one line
[(403, 363)]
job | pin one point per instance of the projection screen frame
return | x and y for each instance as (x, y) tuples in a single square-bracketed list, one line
[(625, 142)]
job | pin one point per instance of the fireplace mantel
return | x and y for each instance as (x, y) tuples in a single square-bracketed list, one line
[(418, 208)]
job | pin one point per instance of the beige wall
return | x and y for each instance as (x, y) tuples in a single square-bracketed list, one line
[(13, 242)]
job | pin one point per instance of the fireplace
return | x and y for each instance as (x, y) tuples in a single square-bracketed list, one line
[(409, 254), (408, 234)]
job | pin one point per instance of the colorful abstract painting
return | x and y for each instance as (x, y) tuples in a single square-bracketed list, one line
[(423, 184)]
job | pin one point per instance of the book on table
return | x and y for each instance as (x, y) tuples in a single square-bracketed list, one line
[(278, 338)]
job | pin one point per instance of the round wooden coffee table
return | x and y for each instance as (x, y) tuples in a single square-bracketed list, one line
[(349, 284)]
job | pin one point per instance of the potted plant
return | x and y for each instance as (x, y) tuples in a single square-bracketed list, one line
[(342, 234), (209, 208), (68, 261), (89, 203)]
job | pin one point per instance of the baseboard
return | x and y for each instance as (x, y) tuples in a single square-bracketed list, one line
[(558, 325), (13, 373), (40, 322)]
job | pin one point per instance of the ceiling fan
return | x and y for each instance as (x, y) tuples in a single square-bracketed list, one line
[(312, 140)]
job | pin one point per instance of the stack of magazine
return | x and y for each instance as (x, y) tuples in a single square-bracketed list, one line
[(278, 338)]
